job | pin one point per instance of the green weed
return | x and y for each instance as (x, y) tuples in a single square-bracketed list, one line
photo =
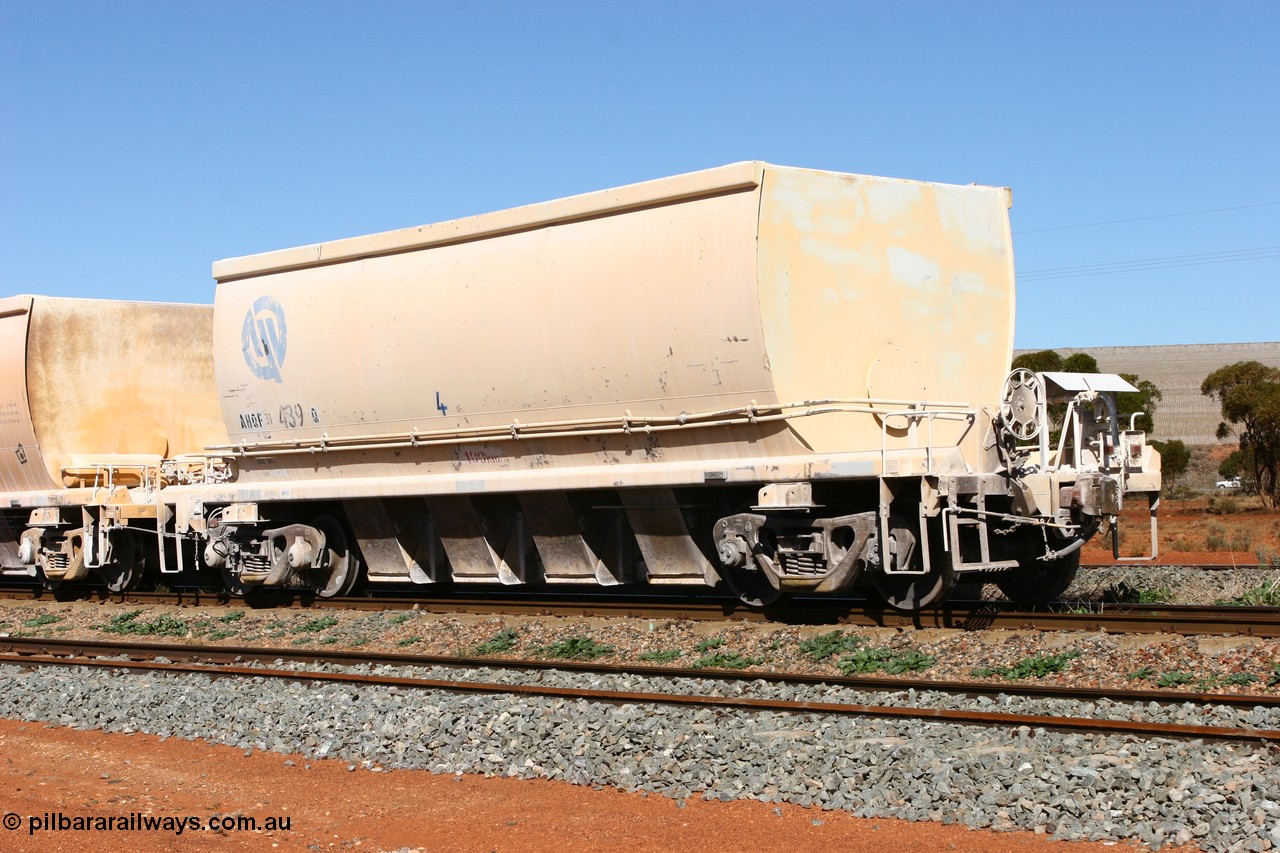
[(708, 644), (823, 646), (662, 656), (1265, 595), (42, 619), (315, 626), (1174, 679), (1238, 679), (866, 661), (1122, 593), (1037, 666), (163, 625), (726, 660), (576, 648), (503, 641)]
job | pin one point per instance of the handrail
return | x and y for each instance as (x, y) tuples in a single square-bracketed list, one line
[(627, 424), (104, 473), (956, 414)]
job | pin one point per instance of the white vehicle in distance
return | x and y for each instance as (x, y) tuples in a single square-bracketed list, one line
[(1233, 484)]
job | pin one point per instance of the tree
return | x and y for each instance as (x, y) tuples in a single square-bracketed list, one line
[(1239, 464), (1080, 362), (1174, 458), (1249, 394), (1143, 400), (1039, 362)]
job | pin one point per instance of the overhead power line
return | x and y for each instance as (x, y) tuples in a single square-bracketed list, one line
[(1172, 261), (1148, 218)]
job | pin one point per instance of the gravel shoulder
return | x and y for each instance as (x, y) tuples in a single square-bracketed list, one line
[(1220, 796), (330, 807), (753, 768)]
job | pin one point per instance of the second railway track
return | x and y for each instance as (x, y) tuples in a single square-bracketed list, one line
[(334, 667), (979, 615)]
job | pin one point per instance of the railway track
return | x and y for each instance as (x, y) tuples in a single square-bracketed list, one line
[(978, 615), (225, 662)]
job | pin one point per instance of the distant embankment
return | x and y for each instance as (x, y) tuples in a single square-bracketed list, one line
[(1184, 413)]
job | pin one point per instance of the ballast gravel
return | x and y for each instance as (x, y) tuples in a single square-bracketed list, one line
[(1072, 786), (1175, 584)]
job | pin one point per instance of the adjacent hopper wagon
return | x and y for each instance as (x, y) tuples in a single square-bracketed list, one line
[(95, 396)]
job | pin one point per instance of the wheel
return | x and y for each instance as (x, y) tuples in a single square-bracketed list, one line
[(220, 545), (1037, 581), (231, 581), (125, 570), (74, 562), (752, 587), (47, 582), (342, 571), (253, 593), (910, 593)]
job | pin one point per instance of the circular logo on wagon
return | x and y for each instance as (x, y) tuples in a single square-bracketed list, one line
[(265, 338)]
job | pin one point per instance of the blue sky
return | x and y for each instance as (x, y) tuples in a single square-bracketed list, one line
[(139, 142)]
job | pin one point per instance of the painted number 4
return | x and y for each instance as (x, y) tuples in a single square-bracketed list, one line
[(444, 410)]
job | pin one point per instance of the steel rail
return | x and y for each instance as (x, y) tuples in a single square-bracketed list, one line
[(1118, 618), (337, 657), (739, 703)]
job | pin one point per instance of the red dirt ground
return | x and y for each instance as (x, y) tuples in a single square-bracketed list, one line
[(1215, 530), (87, 774)]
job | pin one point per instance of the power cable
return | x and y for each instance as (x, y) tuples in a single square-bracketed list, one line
[(1169, 262), (1148, 218)]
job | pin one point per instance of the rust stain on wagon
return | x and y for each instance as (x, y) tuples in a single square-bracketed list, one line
[(108, 379)]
